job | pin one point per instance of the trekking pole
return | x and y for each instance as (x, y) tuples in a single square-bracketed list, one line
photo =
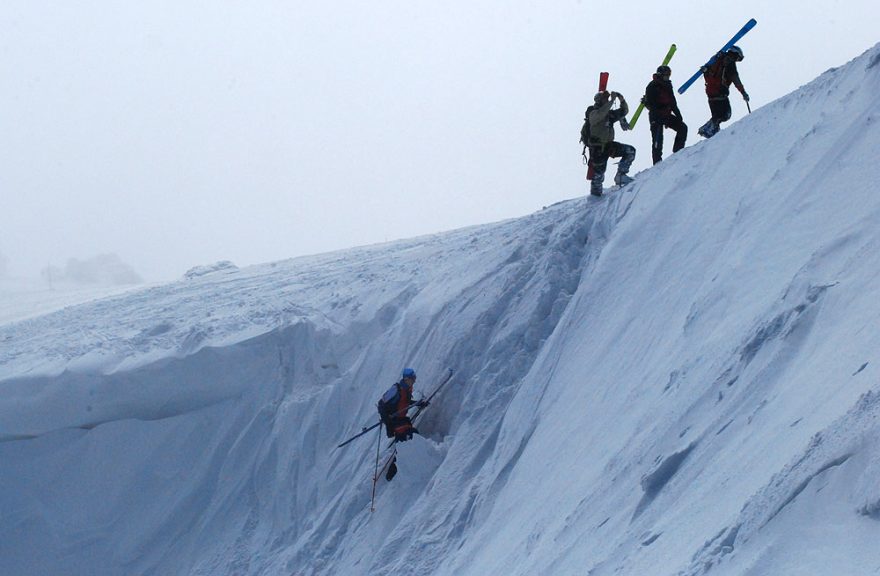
[(749, 108), (376, 472)]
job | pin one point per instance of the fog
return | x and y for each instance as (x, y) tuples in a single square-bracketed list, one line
[(177, 134)]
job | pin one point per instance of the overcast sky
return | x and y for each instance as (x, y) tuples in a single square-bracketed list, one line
[(178, 133)]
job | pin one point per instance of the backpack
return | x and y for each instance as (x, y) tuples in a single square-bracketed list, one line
[(387, 404), (585, 131), (714, 77)]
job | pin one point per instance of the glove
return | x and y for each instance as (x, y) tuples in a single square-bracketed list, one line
[(624, 124), (745, 96)]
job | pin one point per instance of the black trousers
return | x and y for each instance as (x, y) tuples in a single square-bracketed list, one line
[(657, 125), (720, 107)]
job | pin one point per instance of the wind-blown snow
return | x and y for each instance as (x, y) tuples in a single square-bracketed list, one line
[(677, 379)]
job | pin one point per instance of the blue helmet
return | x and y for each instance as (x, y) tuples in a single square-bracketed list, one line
[(409, 373)]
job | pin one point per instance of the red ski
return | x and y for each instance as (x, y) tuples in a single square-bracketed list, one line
[(603, 85)]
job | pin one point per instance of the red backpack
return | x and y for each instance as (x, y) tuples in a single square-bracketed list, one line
[(714, 77)]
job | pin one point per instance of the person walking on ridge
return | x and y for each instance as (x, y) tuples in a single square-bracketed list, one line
[(602, 118), (719, 76), (663, 113)]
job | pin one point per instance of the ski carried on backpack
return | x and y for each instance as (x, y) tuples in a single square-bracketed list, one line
[(603, 85), (366, 429), (742, 32), (635, 117), (363, 431), (390, 460)]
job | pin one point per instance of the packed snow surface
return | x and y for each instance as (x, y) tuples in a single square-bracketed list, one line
[(679, 378)]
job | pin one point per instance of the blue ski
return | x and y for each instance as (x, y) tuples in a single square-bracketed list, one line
[(742, 32)]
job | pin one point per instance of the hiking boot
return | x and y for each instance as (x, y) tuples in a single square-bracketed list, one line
[(622, 179), (708, 129), (392, 470), (712, 130)]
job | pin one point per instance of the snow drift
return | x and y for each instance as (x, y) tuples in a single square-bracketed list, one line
[(678, 378)]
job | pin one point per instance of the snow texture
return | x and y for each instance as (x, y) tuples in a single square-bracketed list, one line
[(679, 378)]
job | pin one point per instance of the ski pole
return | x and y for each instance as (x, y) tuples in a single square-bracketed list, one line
[(376, 473), (366, 429)]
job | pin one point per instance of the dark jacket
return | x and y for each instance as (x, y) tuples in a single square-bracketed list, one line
[(720, 75), (393, 408), (660, 99)]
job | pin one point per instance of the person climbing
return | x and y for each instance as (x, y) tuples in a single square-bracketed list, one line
[(393, 406), (719, 75), (602, 144), (663, 113)]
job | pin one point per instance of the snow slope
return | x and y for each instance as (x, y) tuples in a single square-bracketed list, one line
[(679, 378)]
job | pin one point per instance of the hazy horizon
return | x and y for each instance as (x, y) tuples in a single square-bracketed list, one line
[(174, 136)]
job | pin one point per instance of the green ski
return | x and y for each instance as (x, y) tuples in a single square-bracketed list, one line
[(642, 104)]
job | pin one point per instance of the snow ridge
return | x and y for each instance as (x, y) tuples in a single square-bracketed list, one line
[(679, 378)]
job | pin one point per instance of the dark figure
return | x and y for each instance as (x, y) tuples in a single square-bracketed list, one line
[(602, 145), (393, 407), (719, 76), (664, 113)]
